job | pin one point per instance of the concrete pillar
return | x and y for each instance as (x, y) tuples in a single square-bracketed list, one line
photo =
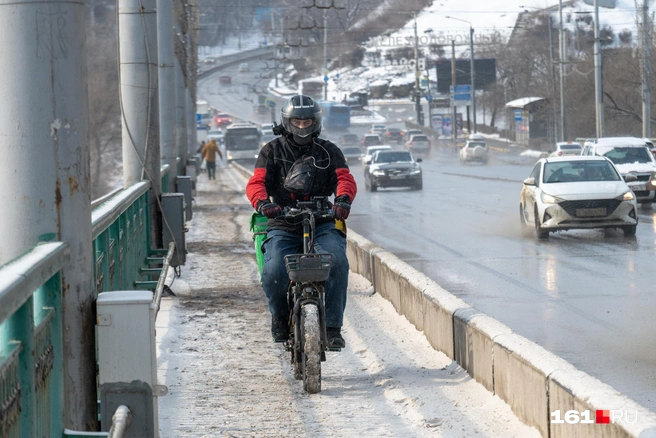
[(137, 26), (44, 148), (166, 85)]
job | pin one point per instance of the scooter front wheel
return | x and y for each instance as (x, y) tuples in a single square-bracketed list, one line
[(311, 348)]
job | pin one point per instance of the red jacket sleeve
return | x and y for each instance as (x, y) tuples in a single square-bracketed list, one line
[(345, 183), (256, 187)]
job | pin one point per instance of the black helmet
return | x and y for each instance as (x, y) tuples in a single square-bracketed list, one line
[(304, 108)]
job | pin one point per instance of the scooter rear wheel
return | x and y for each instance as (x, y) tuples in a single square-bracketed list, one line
[(311, 348)]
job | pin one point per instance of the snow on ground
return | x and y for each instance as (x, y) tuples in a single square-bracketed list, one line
[(227, 378)]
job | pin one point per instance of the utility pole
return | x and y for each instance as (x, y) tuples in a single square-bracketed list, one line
[(325, 55), (137, 26), (180, 116), (44, 145), (553, 81), (472, 72), (420, 120), (166, 87), (454, 131), (599, 94), (563, 59), (646, 71)]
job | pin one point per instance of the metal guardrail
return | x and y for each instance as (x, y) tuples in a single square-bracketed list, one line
[(121, 238), (31, 365)]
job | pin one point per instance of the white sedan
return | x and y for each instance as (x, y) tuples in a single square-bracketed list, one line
[(577, 192)]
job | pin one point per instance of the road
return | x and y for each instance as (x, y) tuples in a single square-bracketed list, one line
[(587, 296)]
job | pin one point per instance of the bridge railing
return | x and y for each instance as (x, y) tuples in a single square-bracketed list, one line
[(31, 340), (31, 343)]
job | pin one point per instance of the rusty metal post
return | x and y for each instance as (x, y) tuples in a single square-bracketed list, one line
[(45, 150)]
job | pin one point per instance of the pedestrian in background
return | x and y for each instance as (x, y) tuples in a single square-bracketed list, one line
[(209, 152)]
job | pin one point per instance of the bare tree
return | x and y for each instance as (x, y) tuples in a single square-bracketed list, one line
[(104, 110)]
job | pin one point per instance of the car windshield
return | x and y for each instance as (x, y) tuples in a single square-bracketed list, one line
[(473, 144), (215, 133), (419, 138), (350, 137), (570, 147), (629, 155), (579, 171), (392, 157)]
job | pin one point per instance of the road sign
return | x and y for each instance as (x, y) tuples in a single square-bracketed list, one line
[(270, 103), (337, 76), (518, 115), (460, 89), (429, 97), (462, 96), (325, 78)]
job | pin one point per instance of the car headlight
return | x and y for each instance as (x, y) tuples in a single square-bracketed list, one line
[(548, 199), (628, 196), (415, 171), (378, 173)]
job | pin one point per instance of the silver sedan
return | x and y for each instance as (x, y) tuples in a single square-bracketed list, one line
[(566, 193)]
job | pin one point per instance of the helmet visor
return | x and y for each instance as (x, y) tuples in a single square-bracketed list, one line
[(301, 123)]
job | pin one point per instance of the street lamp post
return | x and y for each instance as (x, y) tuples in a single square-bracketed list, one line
[(472, 70)]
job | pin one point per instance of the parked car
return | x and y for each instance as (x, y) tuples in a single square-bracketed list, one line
[(378, 129), (222, 119), (349, 139), (369, 152), (243, 67), (225, 79), (475, 149), (393, 168), (630, 155), (393, 134), (575, 192), (352, 154), (370, 140), (418, 144), (567, 148)]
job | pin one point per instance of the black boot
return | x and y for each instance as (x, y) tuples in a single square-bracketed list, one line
[(335, 339), (279, 329)]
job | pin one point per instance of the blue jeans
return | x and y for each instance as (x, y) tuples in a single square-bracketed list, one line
[(275, 281)]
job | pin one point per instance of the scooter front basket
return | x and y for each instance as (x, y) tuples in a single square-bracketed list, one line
[(308, 267)]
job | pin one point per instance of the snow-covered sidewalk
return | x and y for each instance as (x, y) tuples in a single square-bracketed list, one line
[(227, 378)]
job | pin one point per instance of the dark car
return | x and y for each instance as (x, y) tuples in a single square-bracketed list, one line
[(370, 140), (225, 79), (393, 134), (393, 168), (349, 139)]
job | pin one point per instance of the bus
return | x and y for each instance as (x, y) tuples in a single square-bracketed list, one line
[(335, 115), (242, 141)]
